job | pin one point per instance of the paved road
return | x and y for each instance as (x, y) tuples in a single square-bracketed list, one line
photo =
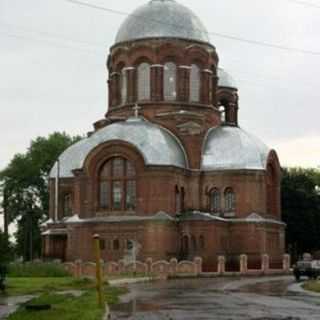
[(218, 299), (9, 305)]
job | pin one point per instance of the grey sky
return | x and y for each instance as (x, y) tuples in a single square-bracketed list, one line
[(50, 83)]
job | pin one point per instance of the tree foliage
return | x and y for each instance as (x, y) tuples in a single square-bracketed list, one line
[(25, 189), (301, 210), (5, 249)]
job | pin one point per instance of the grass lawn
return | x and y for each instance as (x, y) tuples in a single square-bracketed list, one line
[(64, 307), (312, 285), (67, 307), (27, 286)]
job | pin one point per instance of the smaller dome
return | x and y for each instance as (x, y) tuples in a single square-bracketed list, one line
[(231, 148), (225, 79), (157, 145), (162, 19)]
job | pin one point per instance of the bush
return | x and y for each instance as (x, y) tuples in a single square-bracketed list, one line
[(37, 269)]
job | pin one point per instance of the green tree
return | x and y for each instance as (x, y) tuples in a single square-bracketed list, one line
[(24, 185), (5, 249), (301, 210)]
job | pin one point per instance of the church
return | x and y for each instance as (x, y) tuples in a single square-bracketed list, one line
[(168, 167)]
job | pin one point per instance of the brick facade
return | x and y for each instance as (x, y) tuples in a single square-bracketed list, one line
[(158, 187)]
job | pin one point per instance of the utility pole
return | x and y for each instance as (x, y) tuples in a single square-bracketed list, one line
[(5, 212), (31, 237)]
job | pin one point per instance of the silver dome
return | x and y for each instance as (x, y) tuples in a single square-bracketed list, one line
[(225, 79), (231, 148), (162, 19), (157, 145)]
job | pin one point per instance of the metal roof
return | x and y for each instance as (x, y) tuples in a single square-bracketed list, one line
[(225, 79), (160, 216), (162, 19), (157, 145), (231, 148), (251, 218)]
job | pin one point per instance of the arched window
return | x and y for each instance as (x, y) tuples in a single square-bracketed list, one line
[(194, 243), (182, 197), (271, 190), (116, 244), (185, 244), (170, 81), (229, 200), (194, 83), (215, 200), (144, 81), (67, 205), (222, 110), (177, 200), (201, 242), (117, 185), (124, 85)]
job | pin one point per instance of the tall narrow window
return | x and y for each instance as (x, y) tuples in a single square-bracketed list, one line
[(124, 85), (117, 195), (185, 244), (182, 197), (201, 242), (230, 200), (144, 81), (177, 200), (104, 195), (195, 83), (116, 244), (67, 205), (215, 200), (194, 243), (131, 195), (170, 81), (271, 190), (117, 185)]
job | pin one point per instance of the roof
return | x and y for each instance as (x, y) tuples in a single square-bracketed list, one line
[(157, 145), (162, 19), (231, 148), (160, 217), (225, 79), (251, 218)]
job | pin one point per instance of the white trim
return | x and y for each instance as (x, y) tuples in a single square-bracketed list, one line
[(128, 68)]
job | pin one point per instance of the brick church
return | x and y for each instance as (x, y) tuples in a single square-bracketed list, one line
[(168, 167)]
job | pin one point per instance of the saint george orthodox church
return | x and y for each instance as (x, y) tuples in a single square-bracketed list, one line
[(169, 166)]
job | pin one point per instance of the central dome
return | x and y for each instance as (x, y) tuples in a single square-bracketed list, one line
[(162, 19)]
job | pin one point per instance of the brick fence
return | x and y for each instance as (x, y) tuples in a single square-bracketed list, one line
[(173, 268)]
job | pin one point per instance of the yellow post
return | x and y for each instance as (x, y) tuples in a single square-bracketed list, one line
[(96, 238)]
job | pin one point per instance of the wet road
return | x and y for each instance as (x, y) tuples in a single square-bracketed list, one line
[(9, 305), (218, 299)]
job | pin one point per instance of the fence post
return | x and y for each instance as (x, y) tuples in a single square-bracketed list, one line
[(243, 264), (173, 266), (221, 265), (265, 263), (78, 269), (198, 265), (149, 265), (286, 262)]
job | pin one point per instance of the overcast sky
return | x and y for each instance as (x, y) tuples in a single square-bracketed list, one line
[(53, 74)]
